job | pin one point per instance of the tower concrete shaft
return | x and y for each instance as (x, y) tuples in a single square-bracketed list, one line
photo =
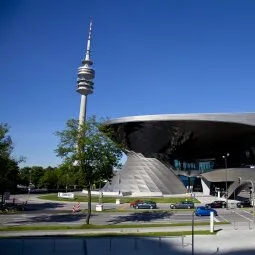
[(86, 74)]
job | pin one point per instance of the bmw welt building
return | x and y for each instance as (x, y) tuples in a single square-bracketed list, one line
[(180, 153)]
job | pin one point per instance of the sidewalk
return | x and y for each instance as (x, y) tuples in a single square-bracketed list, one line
[(224, 242)]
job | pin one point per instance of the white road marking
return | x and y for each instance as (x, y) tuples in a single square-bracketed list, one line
[(116, 215), (182, 214), (223, 218), (187, 220), (243, 216), (247, 212), (216, 220)]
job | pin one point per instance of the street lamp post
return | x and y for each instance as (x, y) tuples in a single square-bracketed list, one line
[(226, 171), (30, 182), (192, 233), (253, 211)]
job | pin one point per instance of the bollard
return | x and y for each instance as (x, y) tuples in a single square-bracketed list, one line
[(249, 224), (182, 241), (217, 251), (236, 225), (211, 222)]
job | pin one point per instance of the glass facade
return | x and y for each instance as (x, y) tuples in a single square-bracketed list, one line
[(201, 165), (193, 181)]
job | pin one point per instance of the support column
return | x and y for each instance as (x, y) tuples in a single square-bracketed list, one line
[(206, 188), (83, 107)]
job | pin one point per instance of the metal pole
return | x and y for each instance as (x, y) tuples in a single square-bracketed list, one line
[(226, 166), (227, 187), (252, 184), (253, 199), (100, 194), (192, 232), (30, 177), (253, 207)]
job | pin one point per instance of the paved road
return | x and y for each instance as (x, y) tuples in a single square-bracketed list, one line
[(52, 213), (52, 218), (97, 218), (34, 201)]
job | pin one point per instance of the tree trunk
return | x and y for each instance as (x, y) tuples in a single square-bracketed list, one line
[(89, 205)]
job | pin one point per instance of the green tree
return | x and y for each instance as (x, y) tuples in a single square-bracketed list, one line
[(24, 176), (50, 178), (6, 145), (9, 169), (31, 174), (67, 176), (37, 172), (89, 147)]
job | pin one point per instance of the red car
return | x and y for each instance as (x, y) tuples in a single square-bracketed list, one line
[(133, 204)]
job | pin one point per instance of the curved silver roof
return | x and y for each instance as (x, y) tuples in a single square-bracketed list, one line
[(240, 118)]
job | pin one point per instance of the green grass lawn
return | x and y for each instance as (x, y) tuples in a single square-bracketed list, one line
[(90, 226), (150, 234), (84, 198)]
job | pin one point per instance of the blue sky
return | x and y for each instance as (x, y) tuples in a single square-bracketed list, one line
[(150, 57)]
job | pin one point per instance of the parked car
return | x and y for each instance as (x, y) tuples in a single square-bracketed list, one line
[(217, 204), (182, 205), (204, 211), (146, 205), (244, 203), (134, 203)]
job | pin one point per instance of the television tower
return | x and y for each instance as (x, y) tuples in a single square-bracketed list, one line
[(85, 84)]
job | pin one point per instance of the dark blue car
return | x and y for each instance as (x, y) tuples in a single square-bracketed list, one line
[(203, 211), (146, 205)]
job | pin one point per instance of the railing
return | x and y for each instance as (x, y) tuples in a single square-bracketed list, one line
[(234, 188), (243, 225), (108, 245)]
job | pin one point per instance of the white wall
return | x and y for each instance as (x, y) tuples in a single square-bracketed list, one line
[(206, 189), (147, 194), (96, 193), (133, 194)]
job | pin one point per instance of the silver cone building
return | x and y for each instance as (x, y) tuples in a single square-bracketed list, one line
[(179, 153)]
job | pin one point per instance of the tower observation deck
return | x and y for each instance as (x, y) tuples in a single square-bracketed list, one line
[(86, 74)]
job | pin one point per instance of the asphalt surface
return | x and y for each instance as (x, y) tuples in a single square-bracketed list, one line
[(133, 217), (41, 212)]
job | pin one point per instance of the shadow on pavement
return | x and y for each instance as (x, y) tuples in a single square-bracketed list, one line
[(53, 218), (117, 245), (43, 206), (146, 216), (30, 206)]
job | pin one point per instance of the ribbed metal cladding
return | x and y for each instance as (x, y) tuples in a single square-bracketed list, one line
[(145, 175), (157, 141)]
